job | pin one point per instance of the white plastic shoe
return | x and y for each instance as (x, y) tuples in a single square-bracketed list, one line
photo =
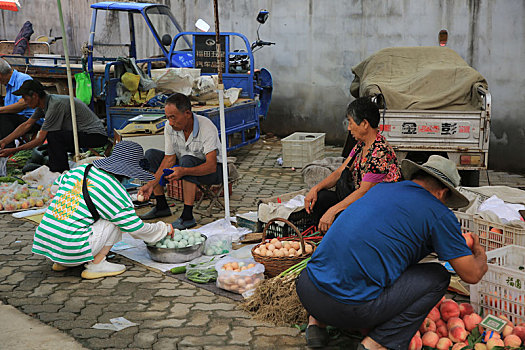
[(102, 269)]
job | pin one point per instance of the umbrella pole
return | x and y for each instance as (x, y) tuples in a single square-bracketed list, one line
[(69, 83), (224, 138)]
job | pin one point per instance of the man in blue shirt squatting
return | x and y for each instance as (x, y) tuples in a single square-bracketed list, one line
[(14, 111), (365, 272)]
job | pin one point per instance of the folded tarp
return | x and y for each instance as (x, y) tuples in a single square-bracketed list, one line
[(423, 78)]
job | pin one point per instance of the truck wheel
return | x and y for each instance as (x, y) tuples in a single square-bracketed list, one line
[(469, 178)]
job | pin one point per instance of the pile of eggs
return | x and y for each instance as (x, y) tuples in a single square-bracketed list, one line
[(278, 249)]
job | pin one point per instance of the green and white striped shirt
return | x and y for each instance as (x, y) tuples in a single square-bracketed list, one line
[(65, 228)]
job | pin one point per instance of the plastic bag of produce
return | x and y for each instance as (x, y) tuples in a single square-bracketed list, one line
[(218, 244), (238, 275), (202, 269)]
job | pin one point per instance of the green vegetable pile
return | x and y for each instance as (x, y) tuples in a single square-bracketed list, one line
[(201, 270), (17, 161), (11, 179)]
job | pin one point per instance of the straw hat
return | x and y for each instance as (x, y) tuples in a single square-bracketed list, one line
[(442, 169), (125, 160)]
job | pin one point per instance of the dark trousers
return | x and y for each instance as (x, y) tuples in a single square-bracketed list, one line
[(155, 156), (394, 317), (325, 200), (61, 142), (8, 123)]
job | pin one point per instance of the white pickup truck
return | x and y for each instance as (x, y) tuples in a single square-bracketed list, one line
[(435, 104)]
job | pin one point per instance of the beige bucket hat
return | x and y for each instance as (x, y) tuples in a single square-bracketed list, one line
[(442, 169)]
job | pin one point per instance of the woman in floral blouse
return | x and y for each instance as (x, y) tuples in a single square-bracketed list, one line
[(372, 160)]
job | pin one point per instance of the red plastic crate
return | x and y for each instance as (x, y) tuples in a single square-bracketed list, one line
[(174, 190)]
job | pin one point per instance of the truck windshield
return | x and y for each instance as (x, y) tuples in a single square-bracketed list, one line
[(163, 23)]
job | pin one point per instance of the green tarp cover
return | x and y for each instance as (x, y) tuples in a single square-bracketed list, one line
[(423, 78)]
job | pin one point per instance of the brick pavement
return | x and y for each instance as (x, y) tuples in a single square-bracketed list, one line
[(171, 314)]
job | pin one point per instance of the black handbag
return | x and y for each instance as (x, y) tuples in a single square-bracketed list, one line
[(345, 184), (87, 198)]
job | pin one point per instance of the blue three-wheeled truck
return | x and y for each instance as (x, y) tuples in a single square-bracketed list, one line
[(178, 49)]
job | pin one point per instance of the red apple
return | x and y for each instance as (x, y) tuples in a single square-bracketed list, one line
[(494, 342), (480, 346), (465, 309), (512, 340), (471, 321), (415, 343), (427, 325), (507, 330), (520, 332), (457, 334), (430, 339), (442, 331), (459, 346), (444, 344), (468, 239), (455, 321), (434, 314), (449, 308)]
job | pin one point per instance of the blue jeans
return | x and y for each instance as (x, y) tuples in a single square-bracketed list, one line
[(394, 317), (155, 156)]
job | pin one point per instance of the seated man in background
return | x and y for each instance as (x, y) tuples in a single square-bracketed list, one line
[(14, 111), (57, 128), (365, 272), (192, 144)]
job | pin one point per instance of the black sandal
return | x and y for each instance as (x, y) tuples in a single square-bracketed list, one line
[(316, 337)]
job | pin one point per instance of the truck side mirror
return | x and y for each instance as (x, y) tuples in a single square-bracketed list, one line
[(262, 16), (166, 40)]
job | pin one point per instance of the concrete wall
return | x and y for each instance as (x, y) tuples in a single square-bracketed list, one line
[(318, 41)]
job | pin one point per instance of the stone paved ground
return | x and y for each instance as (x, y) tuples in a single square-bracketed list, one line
[(170, 314)]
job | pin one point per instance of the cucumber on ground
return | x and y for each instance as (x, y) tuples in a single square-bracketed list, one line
[(179, 269)]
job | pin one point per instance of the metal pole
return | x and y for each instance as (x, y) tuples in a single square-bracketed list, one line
[(224, 138), (217, 40), (69, 82)]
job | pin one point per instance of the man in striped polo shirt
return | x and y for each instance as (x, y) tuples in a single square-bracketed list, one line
[(85, 220)]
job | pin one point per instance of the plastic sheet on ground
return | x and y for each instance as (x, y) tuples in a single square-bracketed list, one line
[(135, 249), (222, 226)]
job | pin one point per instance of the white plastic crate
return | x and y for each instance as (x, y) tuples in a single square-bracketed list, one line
[(494, 235), (300, 148), (466, 221), (502, 289)]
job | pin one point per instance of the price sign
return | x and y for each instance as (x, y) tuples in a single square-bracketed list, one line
[(493, 323), (206, 53)]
